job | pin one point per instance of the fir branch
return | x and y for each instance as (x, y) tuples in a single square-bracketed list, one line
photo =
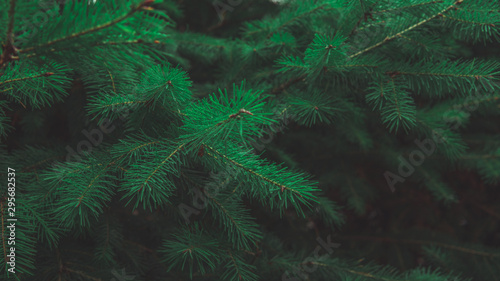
[(161, 164), (446, 76), (48, 229), (131, 147), (235, 265), (98, 44), (475, 26), (468, 21), (112, 81), (81, 194), (241, 230), (396, 106), (46, 74), (239, 165), (153, 188), (132, 11), (222, 118), (85, 191), (237, 269), (37, 85), (268, 182), (199, 249), (390, 38), (475, 76)]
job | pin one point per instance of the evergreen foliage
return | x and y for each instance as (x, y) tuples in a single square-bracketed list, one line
[(132, 131)]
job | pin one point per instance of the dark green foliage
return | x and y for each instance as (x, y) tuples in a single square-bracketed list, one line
[(250, 140)]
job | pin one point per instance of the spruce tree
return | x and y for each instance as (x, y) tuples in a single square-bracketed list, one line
[(247, 140)]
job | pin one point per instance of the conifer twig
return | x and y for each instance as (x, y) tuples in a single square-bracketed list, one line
[(160, 165), (45, 74), (281, 186)]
